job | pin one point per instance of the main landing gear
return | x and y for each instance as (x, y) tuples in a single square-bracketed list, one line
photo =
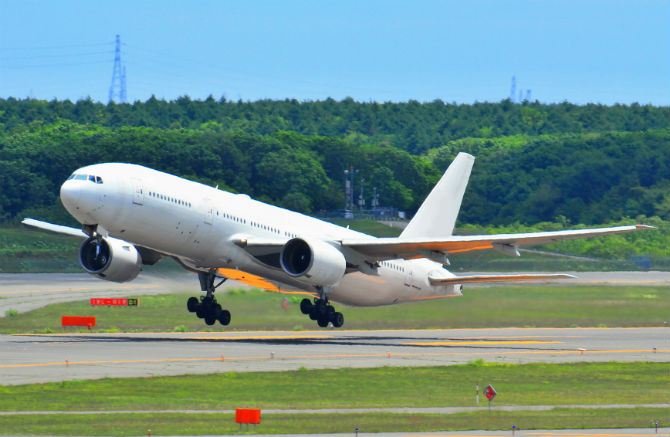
[(207, 307), (322, 312)]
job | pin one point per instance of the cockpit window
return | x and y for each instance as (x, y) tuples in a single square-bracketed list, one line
[(84, 177)]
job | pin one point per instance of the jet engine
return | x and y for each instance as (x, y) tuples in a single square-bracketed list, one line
[(110, 259), (315, 262)]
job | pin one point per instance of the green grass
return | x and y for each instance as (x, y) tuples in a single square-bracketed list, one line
[(480, 307), (217, 424), (29, 250), (522, 384)]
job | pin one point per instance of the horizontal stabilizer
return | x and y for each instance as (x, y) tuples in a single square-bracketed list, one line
[(495, 278)]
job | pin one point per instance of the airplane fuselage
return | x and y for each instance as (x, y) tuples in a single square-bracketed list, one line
[(204, 227)]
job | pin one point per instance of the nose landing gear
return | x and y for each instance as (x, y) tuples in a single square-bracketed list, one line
[(207, 307)]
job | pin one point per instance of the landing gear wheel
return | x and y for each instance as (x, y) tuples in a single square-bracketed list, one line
[(210, 319), (192, 304), (323, 321), (306, 306), (337, 319), (314, 313), (224, 317)]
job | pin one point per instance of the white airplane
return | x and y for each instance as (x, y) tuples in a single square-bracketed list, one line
[(133, 215)]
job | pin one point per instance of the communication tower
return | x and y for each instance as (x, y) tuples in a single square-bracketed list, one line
[(118, 86), (512, 93), (349, 188)]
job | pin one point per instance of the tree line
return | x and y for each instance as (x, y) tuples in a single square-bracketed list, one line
[(411, 126), (587, 164)]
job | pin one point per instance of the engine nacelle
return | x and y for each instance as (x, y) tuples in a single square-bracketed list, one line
[(315, 262), (111, 259)]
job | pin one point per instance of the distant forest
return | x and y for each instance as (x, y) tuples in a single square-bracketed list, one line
[(560, 163)]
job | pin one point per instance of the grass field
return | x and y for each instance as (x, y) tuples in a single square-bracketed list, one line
[(480, 307), (217, 424), (527, 384), (521, 384)]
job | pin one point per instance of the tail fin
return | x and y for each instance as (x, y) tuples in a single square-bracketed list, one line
[(437, 215)]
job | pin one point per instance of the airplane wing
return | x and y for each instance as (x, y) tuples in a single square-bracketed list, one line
[(395, 248), (54, 228)]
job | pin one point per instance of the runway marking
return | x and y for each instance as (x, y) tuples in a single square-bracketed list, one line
[(288, 357), (259, 337), (470, 343), (542, 434), (582, 434), (354, 331), (520, 336), (60, 290)]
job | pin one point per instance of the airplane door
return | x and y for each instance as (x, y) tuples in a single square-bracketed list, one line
[(138, 196), (209, 211), (408, 276)]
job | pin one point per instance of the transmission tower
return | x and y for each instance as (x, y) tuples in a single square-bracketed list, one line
[(118, 86)]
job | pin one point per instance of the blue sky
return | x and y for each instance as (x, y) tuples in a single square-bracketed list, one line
[(458, 51)]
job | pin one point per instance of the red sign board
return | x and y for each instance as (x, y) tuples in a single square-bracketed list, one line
[(115, 302), (490, 392), (247, 415), (78, 321)]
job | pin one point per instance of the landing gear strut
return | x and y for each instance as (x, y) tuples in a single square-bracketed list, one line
[(322, 312), (207, 307)]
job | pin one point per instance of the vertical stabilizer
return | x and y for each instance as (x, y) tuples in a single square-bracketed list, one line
[(437, 215)]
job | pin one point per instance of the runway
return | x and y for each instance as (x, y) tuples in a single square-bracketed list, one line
[(56, 357)]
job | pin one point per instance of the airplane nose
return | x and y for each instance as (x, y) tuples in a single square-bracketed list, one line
[(69, 195)]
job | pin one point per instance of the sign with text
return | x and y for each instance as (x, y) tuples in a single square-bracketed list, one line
[(124, 302)]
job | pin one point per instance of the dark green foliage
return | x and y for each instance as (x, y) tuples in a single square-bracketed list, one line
[(561, 163), (576, 178), (413, 126)]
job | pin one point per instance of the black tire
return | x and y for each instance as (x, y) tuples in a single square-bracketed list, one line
[(337, 319), (306, 306), (314, 312), (224, 317), (323, 322), (192, 304), (210, 320)]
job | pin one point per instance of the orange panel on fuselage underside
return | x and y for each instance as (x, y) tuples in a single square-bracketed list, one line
[(256, 281)]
